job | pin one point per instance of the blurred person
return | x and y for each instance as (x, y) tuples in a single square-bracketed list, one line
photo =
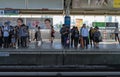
[(24, 35), (96, 37), (22, 30), (28, 36), (91, 32), (14, 37), (10, 35), (38, 37), (52, 34), (6, 35), (81, 38), (62, 30), (66, 38), (76, 37), (85, 35), (1, 38), (72, 36), (117, 35)]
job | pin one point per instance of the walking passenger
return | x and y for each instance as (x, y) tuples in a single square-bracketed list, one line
[(117, 35), (38, 37), (52, 34)]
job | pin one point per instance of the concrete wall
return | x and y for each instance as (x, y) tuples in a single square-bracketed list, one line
[(59, 59)]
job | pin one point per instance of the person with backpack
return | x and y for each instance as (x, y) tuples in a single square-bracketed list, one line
[(76, 37), (96, 37)]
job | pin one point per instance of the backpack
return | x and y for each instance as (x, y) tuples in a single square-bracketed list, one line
[(97, 34)]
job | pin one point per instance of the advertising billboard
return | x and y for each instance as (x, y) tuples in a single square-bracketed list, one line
[(44, 23), (95, 4)]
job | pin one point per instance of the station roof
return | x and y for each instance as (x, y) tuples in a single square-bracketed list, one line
[(77, 7)]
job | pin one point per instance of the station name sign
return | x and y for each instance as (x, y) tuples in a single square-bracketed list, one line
[(9, 12), (105, 24), (111, 24)]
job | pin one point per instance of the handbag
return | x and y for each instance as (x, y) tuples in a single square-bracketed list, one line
[(39, 43)]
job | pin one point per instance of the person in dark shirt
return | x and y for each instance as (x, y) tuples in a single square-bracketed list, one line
[(72, 36), (76, 37), (62, 30)]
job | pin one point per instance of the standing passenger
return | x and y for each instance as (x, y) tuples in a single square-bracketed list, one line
[(22, 30), (62, 30), (72, 36), (76, 37), (6, 35), (96, 37), (91, 32), (85, 35), (1, 38)]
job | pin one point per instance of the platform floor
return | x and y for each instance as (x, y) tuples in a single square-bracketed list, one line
[(107, 45)]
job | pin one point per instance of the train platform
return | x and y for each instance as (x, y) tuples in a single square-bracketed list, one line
[(105, 46)]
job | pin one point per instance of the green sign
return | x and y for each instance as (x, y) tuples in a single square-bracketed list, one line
[(99, 24)]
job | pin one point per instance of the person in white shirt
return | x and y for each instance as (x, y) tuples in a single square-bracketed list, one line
[(117, 34), (85, 34), (6, 35)]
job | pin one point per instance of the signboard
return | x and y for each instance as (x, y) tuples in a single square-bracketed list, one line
[(92, 4), (99, 24), (1, 12), (11, 12), (67, 21), (11, 21), (111, 24), (44, 23), (79, 23), (116, 4)]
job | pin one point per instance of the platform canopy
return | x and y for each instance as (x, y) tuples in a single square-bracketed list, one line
[(77, 7)]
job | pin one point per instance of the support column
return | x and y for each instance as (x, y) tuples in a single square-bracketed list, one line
[(67, 13), (67, 19)]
